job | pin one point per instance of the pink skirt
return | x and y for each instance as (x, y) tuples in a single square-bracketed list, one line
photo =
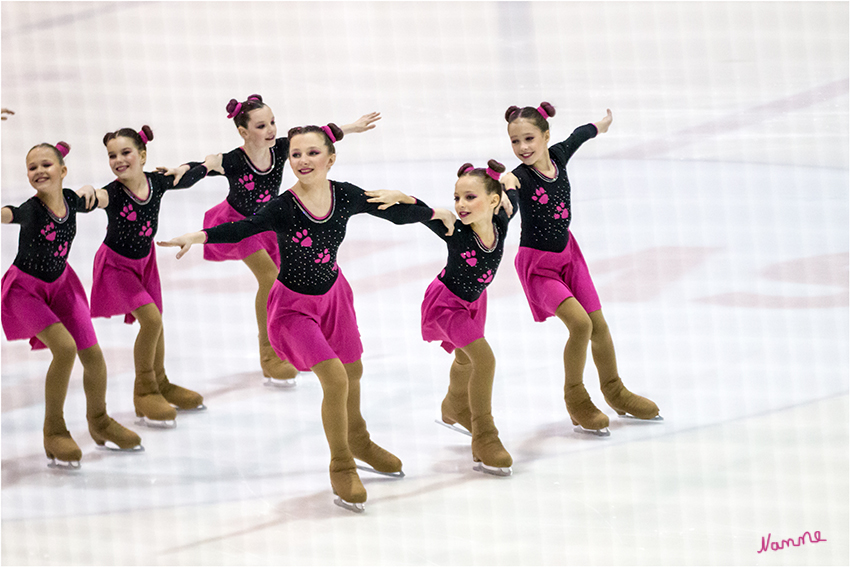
[(30, 305), (309, 329), (450, 319), (223, 213), (548, 278), (121, 285)]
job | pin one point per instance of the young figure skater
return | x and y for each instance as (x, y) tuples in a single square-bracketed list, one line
[(311, 311), (44, 301), (455, 307), (552, 269), (126, 279), (255, 172)]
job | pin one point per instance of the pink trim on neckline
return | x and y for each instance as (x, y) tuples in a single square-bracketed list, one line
[(546, 176), (254, 166), (309, 212)]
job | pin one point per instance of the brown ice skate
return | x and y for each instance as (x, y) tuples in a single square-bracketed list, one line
[(104, 429), (347, 486), (585, 416), (489, 454), (627, 404), (184, 398)]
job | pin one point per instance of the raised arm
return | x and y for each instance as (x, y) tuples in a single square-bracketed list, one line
[(362, 124), (602, 125)]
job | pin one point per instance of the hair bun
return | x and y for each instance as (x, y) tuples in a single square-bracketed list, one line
[(337, 131), (464, 168), (550, 110), (510, 111), (148, 132), (63, 148), (496, 166), (256, 97), (231, 106)]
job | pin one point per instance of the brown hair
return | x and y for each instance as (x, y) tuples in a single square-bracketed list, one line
[(335, 130), (241, 117), (140, 143), (61, 149), (493, 186), (530, 113)]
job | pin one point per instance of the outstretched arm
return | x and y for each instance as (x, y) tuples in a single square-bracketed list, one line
[(390, 198), (362, 124), (94, 197), (602, 125), (185, 242), (6, 215)]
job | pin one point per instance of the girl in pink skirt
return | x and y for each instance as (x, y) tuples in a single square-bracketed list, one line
[(255, 172), (552, 269), (126, 280), (311, 320), (455, 308), (44, 301)]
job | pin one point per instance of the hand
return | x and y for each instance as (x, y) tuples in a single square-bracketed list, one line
[(213, 163), (509, 181), (185, 242), (176, 172), (365, 122), (89, 194), (4, 112), (388, 198), (448, 219), (506, 204), (602, 125)]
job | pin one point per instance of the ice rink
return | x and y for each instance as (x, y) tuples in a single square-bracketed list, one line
[(713, 216)]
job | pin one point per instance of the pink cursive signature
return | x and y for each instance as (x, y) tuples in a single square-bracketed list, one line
[(767, 545)]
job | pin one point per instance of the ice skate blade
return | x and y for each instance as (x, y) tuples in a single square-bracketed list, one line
[(399, 474), (286, 384), (454, 427), (63, 465), (154, 424), (357, 508), (630, 417), (596, 432), (495, 471), (201, 407), (110, 446)]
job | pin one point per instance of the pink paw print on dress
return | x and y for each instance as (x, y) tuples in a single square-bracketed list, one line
[(63, 250), (324, 257), (147, 229), (264, 197), (302, 238), (128, 213), (470, 257), (247, 181), (561, 211), (540, 196), (48, 232), (486, 278)]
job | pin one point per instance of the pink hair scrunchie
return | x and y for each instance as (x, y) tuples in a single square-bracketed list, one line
[(235, 110), (143, 136), (543, 112), (327, 130), (493, 173), (62, 149), (468, 169)]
